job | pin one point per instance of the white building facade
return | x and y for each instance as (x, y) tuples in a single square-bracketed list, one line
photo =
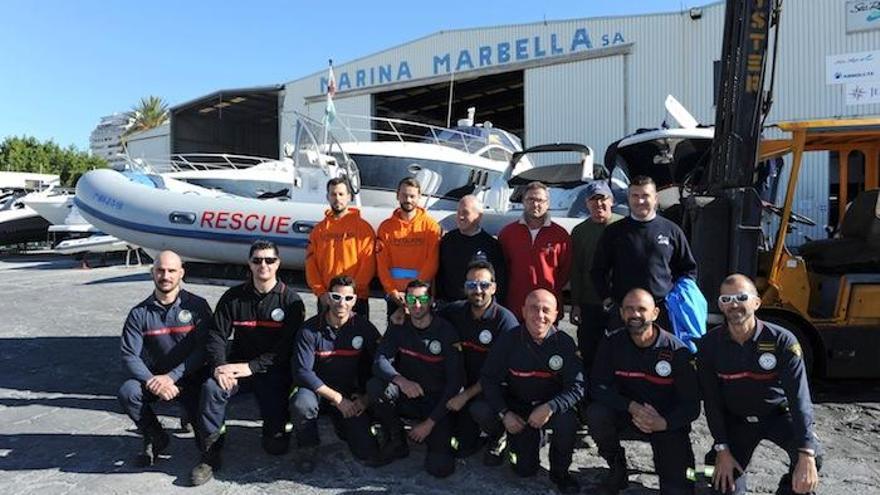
[(595, 80), (106, 139)]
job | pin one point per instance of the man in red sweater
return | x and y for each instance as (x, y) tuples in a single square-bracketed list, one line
[(537, 250)]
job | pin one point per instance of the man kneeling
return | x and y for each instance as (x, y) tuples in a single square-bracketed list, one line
[(643, 377), (416, 371), (332, 357), (544, 382)]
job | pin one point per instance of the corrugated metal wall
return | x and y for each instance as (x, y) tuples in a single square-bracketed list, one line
[(670, 53), (589, 112)]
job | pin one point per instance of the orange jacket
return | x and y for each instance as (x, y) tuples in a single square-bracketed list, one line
[(406, 250), (341, 246)]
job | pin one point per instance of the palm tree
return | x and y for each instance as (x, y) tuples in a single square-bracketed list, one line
[(151, 112)]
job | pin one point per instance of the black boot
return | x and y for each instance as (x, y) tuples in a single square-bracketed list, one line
[(155, 441), (395, 448), (204, 471), (617, 477), (495, 450), (277, 443), (565, 482)]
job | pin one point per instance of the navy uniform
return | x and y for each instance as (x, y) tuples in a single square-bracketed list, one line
[(158, 340), (429, 357), (339, 358), (257, 329), (661, 375), (534, 374), (476, 336), (757, 391)]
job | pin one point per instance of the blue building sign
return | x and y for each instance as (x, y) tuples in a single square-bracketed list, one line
[(506, 52)]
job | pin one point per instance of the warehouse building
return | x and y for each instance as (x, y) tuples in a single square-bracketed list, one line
[(589, 81)]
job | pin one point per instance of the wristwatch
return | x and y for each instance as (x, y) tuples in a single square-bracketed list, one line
[(501, 414), (720, 447)]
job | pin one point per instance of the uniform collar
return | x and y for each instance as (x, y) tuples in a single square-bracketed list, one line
[(174, 304), (759, 327), (278, 289)]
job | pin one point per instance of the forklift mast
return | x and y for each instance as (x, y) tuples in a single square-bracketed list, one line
[(723, 216)]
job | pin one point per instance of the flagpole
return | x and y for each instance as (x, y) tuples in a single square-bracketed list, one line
[(326, 119), (449, 111)]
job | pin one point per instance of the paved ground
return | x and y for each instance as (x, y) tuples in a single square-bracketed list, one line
[(61, 430)]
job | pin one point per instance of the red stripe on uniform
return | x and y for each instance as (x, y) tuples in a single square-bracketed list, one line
[(474, 347), (258, 323), (423, 357), (530, 374), (338, 352), (747, 374), (644, 376), (169, 330)]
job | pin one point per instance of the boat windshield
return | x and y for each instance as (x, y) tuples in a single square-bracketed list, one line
[(438, 178)]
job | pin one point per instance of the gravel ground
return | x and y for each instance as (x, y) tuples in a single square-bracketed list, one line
[(61, 430)]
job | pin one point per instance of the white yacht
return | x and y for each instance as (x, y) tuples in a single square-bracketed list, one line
[(19, 223)]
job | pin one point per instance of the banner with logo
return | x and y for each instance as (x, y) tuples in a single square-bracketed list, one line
[(862, 15), (852, 67)]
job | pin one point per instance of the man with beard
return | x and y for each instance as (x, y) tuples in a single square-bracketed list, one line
[(163, 353), (643, 250), (480, 321), (642, 377), (755, 388), (406, 247), (467, 244), (333, 354), (537, 250), (341, 244), (533, 380), (587, 311), (416, 371), (249, 350)]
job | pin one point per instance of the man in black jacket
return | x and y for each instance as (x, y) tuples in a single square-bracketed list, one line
[(263, 315), (643, 250), (333, 354), (163, 353), (643, 380), (755, 387), (416, 371), (533, 380)]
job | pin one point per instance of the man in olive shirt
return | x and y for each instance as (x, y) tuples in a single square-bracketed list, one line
[(587, 311)]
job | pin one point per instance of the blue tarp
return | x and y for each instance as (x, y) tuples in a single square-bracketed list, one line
[(688, 311)]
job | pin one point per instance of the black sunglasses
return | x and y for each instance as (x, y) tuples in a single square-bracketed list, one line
[(269, 260)]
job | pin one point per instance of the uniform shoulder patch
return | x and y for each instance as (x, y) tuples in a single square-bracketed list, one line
[(796, 349)]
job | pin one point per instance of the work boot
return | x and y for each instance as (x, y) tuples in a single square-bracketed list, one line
[(494, 454), (395, 448), (276, 443), (616, 480), (306, 459), (155, 441), (204, 470), (565, 482)]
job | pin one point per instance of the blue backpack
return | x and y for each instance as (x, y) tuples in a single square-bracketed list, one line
[(688, 311)]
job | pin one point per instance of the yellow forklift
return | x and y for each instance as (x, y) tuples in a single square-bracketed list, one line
[(828, 291)]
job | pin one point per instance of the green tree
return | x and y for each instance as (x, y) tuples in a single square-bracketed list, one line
[(151, 112), (28, 154)]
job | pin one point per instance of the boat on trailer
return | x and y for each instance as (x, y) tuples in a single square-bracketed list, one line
[(164, 212)]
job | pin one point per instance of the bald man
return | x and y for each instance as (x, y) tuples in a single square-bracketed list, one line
[(163, 353), (643, 381), (533, 379), (467, 244), (755, 388)]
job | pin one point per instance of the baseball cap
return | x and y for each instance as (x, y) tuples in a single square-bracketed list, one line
[(598, 187)]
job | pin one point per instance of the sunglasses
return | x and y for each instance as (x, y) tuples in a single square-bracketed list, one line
[(269, 261), (411, 299), (729, 298), (337, 297), (474, 284)]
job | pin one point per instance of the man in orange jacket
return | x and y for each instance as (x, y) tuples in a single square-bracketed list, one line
[(407, 246), (341, 244)]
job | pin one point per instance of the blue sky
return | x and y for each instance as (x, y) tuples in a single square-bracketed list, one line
[(64, 64)]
